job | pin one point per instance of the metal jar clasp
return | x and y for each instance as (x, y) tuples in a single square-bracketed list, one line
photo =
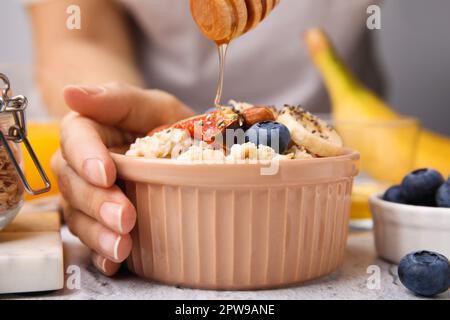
[(17, 133)]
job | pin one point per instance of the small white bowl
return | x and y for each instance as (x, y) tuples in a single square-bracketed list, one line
[(400, 228)]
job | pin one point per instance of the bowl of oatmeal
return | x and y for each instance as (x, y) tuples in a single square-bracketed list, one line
[(243, 197)]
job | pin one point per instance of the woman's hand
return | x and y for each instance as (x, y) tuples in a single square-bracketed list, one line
[(105, 116)]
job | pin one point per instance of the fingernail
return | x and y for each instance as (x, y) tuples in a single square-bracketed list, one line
[(109, 243), (100, 262), (91, 90), (111, 213), (95, 170)]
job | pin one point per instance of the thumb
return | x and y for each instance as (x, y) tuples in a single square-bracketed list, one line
[(126, 107)]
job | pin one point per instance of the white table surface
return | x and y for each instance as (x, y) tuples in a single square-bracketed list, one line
[(350, 282)]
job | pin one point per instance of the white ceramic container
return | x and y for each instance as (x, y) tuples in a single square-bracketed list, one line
[(400, 229)]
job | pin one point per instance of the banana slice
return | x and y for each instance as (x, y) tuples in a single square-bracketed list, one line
[(311, 132)]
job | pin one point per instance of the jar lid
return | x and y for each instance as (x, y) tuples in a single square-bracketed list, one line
[(16, 107)]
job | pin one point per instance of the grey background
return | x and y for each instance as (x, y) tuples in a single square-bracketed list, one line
[(413, 47)]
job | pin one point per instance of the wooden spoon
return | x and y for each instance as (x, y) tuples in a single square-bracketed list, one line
[(224, 20)]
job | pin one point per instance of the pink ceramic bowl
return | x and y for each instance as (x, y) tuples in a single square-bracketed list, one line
[(226, 226)]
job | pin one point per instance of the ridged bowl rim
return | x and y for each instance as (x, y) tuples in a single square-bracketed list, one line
[(166, 171)]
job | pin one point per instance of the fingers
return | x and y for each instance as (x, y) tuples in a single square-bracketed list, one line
[(84, 139), (108, 206), (84, 146), (129, 108), (112, 246), (106, 266)]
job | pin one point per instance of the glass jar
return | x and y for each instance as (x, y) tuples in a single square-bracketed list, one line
[(13, 181), (11, 188)]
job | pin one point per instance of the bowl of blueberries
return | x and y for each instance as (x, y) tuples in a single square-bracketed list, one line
[(412, 229), (414, 215)]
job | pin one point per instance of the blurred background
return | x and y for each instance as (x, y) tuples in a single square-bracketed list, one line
[(413, 47)]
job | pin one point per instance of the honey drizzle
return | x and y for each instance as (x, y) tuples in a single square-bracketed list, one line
[(222, 47), (222, 50)]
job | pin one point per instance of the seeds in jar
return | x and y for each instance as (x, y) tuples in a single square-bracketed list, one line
[(11, 189)]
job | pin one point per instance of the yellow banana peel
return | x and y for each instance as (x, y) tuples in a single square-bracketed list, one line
[(434, 152), (351, 100)]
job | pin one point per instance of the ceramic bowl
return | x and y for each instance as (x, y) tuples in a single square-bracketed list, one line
[(226, 226), (400, 229)]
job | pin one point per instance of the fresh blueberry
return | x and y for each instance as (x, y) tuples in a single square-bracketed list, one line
[(425, 273), (269, 133), (420, 186), (394, 194), (215, 109), (443, 195), (211, 110)]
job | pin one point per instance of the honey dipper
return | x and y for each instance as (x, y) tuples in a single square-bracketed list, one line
[(224, 20)]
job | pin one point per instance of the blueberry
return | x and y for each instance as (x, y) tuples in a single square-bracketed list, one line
[(211, 110), (425, 273), (269, 133), (420, 186), (215, 109), (394, 194), (443, 195)]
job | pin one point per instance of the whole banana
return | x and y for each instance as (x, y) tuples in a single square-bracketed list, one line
[(352, 101)]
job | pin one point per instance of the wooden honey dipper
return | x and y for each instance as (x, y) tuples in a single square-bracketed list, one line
[(224, 20)]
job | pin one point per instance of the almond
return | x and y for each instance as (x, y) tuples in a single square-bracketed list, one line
[(257, 114)]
